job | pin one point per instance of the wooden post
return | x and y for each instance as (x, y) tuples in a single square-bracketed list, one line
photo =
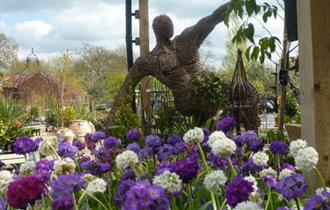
[(314, 66), (284, 65), (144, 49)]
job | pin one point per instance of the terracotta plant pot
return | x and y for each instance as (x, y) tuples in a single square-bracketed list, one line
[(81, 127), (294, 131)]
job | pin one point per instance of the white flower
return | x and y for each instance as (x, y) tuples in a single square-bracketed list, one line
[(126, 159), (194, 136), (48, 147), (5, 178), (260, 159), (297, 145), (306, 159), (247, 205), (216, 136), (225, 147), (268, 171), (171, 182), (214, 180), (285, 173), (97, 185), (319, 191), (66, 166), (27, 168)]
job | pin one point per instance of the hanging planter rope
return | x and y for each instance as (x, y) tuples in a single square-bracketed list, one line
[(244, 98)]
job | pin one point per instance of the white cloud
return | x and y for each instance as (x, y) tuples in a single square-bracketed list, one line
[(33, 30)]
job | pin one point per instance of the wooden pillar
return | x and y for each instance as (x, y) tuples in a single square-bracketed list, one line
[(144, 49), (314, 64)]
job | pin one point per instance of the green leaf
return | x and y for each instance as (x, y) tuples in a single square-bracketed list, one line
[(249, 32), (262, 57), (255, 53), (247, 53), (249, 7)]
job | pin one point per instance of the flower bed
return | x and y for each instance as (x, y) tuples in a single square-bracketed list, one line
[(201, 170)]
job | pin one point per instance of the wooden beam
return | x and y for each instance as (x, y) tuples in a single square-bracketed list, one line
[(314, 64), (144, 49)]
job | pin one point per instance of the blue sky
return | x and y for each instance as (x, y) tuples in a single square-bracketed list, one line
[(53, 26)]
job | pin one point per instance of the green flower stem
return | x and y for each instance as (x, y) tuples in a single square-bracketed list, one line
[(190, 198), (97, 200), (208, 171), (297, 203), (269, 198), (74, 202), (173, 204), (231, 166), (321, 178), (81, 198), (223, 204), (155, 163), (55, 152)]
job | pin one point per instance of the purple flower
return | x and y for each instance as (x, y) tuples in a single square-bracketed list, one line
[(153, 142), (79, 144), (238, 140), (89, 141), (288, 166), (65, 185), (24, 191), (238, 191), (226, 124), (270, 181), (103, 154), (256, 146), (174, 139), (187, 168), (111, 142), (63, 204), (134, 147), (38, 140), (248, 137), (133, 134), (250, 167), (24, 145), (219, 162), (144, 153), (65, 149), (96, 167), (319, 202), (163, 166), (166, 151), (98, 135), (44, 169), (292, 187), (124, 186), (3, 205), (279, 147), (128, 174), (144, 195)]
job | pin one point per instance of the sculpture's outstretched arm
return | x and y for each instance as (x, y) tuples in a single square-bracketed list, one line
[(142, 67), (197, 33)]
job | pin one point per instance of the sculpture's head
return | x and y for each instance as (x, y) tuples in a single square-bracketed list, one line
[(163, 28)]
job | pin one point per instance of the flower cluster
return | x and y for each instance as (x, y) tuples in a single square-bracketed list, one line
[(201, 170), (24, 146)]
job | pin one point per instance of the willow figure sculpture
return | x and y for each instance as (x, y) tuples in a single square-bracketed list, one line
[(179, 65)]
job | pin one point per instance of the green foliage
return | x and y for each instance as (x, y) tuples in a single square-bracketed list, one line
[(12, 120), (211, 91), (97, 118), (115, 81), (125, 119), (292, 110), (53, 114), (68, 114), (266, 45)]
